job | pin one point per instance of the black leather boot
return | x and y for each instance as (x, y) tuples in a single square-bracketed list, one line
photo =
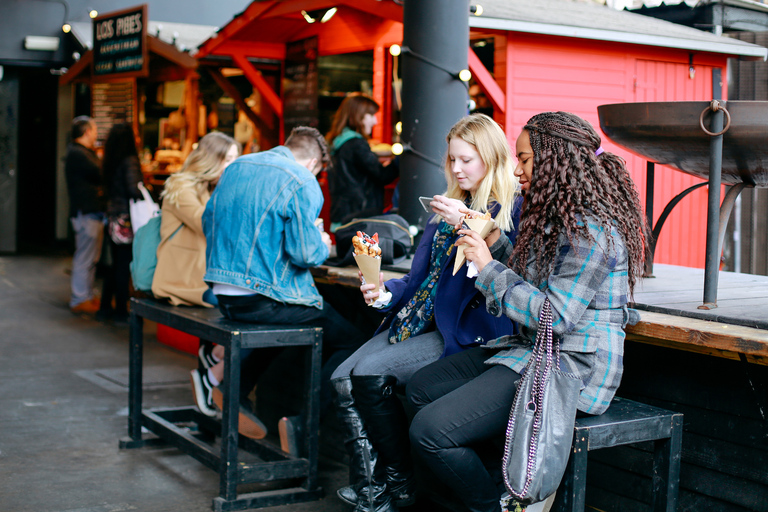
[(364, 476), (387, 425)]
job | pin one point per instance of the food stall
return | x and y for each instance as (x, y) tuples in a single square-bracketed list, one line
[(134, 76)]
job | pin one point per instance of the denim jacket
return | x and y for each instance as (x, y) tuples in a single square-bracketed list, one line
[(260, 231)]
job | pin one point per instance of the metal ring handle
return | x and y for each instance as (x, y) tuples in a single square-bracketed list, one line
[(714, 107)]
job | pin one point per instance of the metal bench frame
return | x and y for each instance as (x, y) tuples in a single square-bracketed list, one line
[(626, 422), (208, 324)]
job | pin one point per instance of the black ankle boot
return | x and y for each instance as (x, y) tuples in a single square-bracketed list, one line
[(387, 425), (364, 476)]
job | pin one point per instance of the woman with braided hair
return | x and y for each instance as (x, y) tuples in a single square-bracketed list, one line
[(582, 245)]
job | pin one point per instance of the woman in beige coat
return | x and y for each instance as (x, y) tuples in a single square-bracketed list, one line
[(181, 253)]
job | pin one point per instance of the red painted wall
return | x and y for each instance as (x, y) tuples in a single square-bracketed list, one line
[(544, 73)]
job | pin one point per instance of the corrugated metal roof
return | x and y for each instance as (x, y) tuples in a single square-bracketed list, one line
[(746, 4), (598, 22)]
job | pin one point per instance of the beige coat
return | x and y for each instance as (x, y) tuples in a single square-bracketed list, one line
[(181, 259)]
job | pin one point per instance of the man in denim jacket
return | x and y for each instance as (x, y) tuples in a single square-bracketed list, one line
[(262, 240)]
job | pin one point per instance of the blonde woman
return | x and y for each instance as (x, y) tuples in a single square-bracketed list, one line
[(181, 253), (431, 313)]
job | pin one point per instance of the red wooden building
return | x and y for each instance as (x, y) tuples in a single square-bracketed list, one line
[(527, 57)]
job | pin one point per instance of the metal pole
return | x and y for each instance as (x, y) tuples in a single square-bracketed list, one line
[(435, 48), (712, 262)]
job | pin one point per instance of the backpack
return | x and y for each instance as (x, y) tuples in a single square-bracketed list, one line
[(145, 243), (395, 239)]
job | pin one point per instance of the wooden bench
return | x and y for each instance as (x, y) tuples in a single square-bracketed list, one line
[(171, 425), (625, 422)]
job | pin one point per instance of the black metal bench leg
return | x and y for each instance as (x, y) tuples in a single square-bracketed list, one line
[(135, 377), (230, 387), (571, 495), (312, 410), (666, 468)]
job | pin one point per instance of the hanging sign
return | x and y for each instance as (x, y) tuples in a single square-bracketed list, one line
[(120, 43)]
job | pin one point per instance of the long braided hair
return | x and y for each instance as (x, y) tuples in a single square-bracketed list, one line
[(573, 178)]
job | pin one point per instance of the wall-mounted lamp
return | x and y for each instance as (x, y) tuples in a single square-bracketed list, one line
[(66, 28), (398, 148), (691, 69), (477, 10), (93, 13), (321, 15), (41, 43)]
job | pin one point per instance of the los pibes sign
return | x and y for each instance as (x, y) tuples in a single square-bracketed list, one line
[(120, 43)]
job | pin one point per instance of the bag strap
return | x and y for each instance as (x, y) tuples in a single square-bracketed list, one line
[(539, 366)]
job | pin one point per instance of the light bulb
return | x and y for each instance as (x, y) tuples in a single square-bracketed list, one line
[(465, 75), (93, 13), (66, 28), (394, 50), (397, 149)]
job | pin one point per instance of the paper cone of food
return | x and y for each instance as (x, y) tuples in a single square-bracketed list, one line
[(367, 254), (480, 226), (370, 267)]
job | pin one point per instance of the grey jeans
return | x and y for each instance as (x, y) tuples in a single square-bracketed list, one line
[(380, 357), (89, 234)]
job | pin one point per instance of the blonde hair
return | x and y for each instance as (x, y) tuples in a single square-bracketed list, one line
[(202, 167), (500, 185)]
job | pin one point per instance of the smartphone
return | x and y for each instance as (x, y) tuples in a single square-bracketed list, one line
[(424, 200)]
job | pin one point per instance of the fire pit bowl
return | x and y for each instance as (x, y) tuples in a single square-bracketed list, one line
[(669, 133)]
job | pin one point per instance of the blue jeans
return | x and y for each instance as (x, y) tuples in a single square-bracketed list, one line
[(340, 337), (401, 360), (89, 235), (462, 408)]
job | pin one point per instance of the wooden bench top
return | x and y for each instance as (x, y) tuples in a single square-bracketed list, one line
[(209, 324)]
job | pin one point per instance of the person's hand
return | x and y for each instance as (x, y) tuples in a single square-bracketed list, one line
[(326, 240), (475, 248), (370, 293), (448, 208)]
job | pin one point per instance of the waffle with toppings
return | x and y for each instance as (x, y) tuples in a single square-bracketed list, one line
[(367, 245)]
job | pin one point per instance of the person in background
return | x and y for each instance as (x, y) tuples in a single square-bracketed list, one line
[(356, 179), (86, 211), (181, 254), (122, 174), (261, 242), (431, 313), (582, 245)]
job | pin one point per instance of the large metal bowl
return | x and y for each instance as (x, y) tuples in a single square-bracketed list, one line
[(669, 133)]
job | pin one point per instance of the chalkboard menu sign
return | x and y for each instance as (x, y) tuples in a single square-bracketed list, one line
[(120, 43), (112, 103), (300, 85)]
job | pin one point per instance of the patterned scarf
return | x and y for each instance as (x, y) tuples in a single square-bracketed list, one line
[(417, 315)]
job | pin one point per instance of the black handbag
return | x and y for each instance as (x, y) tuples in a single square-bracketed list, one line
[(540, 428), (395, 239)]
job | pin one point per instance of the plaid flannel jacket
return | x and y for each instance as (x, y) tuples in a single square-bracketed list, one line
[(588, 289)]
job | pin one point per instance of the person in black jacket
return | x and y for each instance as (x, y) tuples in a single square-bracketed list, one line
[(86, 211), (122, 174), (357, 178)]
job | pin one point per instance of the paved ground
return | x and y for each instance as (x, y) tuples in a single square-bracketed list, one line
[(63, 407)]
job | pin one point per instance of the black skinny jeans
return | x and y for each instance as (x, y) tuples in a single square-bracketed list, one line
[(117, 278), (340, 337), (462, 408)]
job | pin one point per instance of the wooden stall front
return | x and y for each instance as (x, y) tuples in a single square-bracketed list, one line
[(136, 78)]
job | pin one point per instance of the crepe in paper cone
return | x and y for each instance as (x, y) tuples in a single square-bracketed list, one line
[(481, 227), (370, 267)]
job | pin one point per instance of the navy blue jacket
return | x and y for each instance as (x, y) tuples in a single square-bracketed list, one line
[(460, 313)]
